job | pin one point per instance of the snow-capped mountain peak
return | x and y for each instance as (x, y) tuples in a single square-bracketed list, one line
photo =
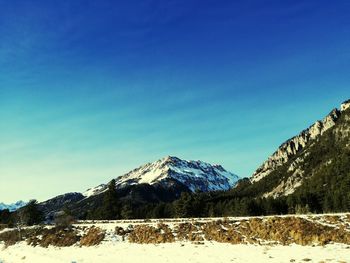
[(196, 175), (12, 207)]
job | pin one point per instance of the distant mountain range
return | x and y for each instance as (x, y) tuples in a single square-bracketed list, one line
[(312, 167), (12, 207)]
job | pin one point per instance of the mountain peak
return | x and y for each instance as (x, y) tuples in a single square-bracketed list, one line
[(195, 175), (169, 157), (14, 206)]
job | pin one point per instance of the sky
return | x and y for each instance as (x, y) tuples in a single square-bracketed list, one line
[(92, 89)]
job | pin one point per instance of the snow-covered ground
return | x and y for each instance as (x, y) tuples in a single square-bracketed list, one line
[(175, 252), (114, 248)]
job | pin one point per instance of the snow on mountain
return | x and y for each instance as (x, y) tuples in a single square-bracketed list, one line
[(196, 175), (95, 190), (12, 207)]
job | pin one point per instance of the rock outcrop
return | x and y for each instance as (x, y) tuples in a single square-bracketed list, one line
[(290, 163), (294, 145)]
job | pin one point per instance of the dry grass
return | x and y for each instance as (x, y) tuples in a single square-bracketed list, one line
[(56, 236), (93, 237), (272, 230), (10, 237), (145, 234), (13, 236), (319, 230), (189, 231)]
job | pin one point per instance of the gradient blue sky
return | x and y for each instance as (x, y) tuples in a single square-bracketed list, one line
[(92, 89)]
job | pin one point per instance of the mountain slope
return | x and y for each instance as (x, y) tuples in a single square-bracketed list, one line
[(195, 175), (307, 157), (292, 146), (49, 207)]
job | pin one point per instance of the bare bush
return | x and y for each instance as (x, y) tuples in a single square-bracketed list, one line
[(57, 236), (93, 237), (149, 234)]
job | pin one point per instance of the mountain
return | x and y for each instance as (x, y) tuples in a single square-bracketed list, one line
[(12, 207), (162, 181), (308, 173), (195, 175), (294, 145), (49, 207), (321, 149)]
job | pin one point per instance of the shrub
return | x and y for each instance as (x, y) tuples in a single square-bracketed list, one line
[(149, 234), (57, 236), (10, 237), (13, 236), (94, 236)]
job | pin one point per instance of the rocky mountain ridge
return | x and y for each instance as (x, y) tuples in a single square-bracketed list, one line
[(294, 145), (292, 158)]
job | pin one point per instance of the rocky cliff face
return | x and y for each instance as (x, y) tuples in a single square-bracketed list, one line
[(291, 153)]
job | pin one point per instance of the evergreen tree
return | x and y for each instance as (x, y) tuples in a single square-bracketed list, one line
[(30, 214), (109, 209), (183, 206), (127, 211), (5, 216)]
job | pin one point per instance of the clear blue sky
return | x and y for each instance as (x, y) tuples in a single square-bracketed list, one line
[(92, 89)]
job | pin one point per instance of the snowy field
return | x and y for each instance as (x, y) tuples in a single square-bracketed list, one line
[(115, 248), (175, 252)]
